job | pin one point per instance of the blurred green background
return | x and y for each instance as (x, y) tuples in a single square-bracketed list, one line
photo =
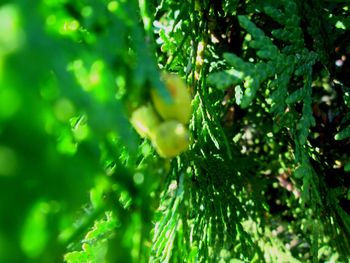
[(59, 63)]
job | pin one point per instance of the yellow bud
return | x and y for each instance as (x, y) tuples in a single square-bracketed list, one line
[(145, 120), (180, 106), (170, 139)]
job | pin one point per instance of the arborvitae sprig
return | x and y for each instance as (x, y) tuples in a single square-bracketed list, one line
[(285, 70)]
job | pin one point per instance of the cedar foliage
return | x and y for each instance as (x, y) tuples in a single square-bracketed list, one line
[(266, 175)]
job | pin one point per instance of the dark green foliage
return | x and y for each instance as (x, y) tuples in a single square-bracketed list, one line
[(266, 177)]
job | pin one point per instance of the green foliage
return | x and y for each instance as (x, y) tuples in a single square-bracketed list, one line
[(266, 176)]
